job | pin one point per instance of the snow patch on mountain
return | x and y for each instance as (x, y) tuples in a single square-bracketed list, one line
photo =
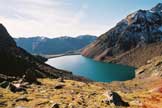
[(158, 7)]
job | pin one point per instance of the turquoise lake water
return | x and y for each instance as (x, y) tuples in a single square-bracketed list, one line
[(94, 70)]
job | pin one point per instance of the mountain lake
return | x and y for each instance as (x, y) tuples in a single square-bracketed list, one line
[(91, 69)]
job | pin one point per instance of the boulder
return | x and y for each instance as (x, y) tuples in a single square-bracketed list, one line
[(22, 98), (12, 87), (115, 98), (15, 89), (59, 86), (3, 104), (4, 84), (55, 105)]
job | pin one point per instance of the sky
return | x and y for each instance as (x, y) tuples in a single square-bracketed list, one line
[(54, 18)]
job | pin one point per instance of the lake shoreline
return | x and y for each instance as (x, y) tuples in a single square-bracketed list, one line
[(79, 53), (60, 55)]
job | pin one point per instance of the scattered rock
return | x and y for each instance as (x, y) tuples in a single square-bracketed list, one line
[(22, 98), (148, 62), (21, 107), (71, 105), (3, 104), (61, 79), (136, 102), (55, 105), (115, 98), (59, 86), (23, 85), (157, 63), (140, 71), (43, 91), (1, 95), (93, 94), (74, 92), (4, 84), (13, 104), (43, 102), (14, 89)]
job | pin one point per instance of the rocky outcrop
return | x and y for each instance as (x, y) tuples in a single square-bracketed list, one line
[(153, 68), (138, 29), (116, 99), (16, 62)]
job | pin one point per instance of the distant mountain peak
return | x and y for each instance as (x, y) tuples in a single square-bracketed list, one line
[(139, 28), (157, 8), (143, 16)]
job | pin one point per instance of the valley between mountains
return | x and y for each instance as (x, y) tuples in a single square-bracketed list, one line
[(27, 82)]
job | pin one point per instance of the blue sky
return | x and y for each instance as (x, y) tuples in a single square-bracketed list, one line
[(53, 18)]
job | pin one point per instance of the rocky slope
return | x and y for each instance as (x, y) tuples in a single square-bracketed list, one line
[(137, 56), (151, 69), (73, 94), (138, 29), (43, 45), (16, 62)]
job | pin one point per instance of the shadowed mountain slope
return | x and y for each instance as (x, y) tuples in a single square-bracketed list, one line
[(15, 62)]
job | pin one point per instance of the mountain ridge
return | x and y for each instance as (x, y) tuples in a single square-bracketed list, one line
[(44, 45), (138, 29)]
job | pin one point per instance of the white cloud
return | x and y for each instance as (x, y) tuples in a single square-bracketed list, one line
[(45, 17)]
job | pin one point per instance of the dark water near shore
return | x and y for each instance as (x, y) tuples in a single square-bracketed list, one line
[(94, 70)]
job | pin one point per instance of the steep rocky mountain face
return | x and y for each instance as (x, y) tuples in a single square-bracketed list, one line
[(138, 29), (43, 45), (16, 62)]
